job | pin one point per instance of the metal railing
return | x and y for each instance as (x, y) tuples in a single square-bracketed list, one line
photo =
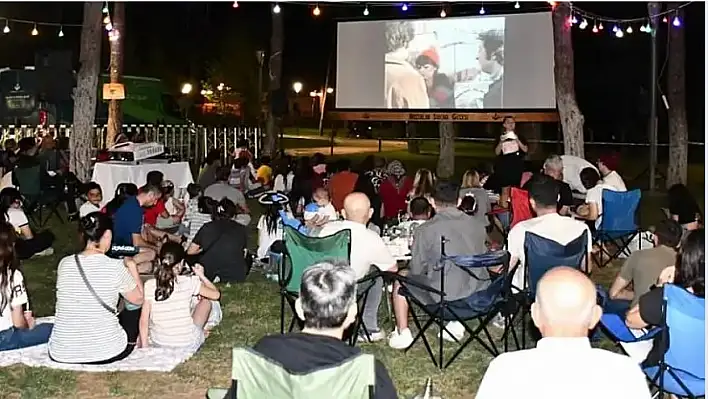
[(186, 142)]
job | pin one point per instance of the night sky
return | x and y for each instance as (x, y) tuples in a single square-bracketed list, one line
[(174, 41)]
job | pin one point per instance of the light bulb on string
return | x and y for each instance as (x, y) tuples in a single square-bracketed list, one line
[(594, 28), (113, 35), (676, 22), (404, 7), (276, 8), (235, 5), (647, 28), (552, 4), (366, 11), (615, 29), (619, 33), (6, 29), (642, 28), (105, 8), (629, 30), (316, 11), (517, 5), (107, 20), (482, 11), (665, 20), (443, 14), (109, 26), (35, 32), (600, 26), (583, 24), (573, 20), (570, 21), (61, 31)]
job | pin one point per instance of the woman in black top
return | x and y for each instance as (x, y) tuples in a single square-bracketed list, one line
[(683, 208), (689, 274), (510, 150)]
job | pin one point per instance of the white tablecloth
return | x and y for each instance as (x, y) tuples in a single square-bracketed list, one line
[(110, 174)]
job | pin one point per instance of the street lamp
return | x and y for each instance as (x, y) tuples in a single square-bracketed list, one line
[(186, 88), (297, 87)]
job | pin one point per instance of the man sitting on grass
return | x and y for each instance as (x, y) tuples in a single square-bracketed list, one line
[(128, 227), (560, 365), (327, 305)]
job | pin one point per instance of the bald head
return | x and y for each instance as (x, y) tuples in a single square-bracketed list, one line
[(565, 303), (357, 208)]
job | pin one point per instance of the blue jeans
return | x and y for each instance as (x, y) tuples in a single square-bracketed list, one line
[(17, 338)]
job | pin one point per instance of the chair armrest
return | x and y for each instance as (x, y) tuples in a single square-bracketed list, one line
[(407, 281), (614, 324)]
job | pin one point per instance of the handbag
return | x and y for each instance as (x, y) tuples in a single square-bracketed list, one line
[(90, 288)]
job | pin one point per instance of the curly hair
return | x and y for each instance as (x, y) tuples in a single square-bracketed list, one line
[(493, 43), (398, 35)]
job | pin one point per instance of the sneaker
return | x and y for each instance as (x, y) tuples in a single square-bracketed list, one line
[(400, 339), (499, 321), (456, 329), (47, 252), (373, 336)]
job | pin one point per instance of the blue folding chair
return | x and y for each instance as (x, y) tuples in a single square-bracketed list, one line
[(481, 306), (543, 254), (619, 223)]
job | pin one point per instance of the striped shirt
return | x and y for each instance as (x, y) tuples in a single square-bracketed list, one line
[(84, 331), (171, 321), (196, 221)]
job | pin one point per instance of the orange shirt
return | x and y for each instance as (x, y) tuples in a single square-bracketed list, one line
[(340, 185)]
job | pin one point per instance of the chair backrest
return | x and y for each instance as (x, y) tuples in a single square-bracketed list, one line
[(543, 254), (685, 318), (257, 377), (619, 210), (28, 180), (520, 206), (304, 251)]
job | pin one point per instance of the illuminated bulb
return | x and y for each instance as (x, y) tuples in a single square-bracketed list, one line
[(404, 7), (109, 27), (276, 8), (35, 32), (573, 20), (366, 11), (594, 28), (316, 11), (619, 33), (517, 5), (113, 35), (665, 20), (570, 20), (647, 29), (676, 22), (105, 9), (615, 29), (235, 4), (61, 32), (600, 26), (107, 20), (629, 30), (443, 14), (552, 3), (6, 29), (481, 11), (642, 28), (584, 24)]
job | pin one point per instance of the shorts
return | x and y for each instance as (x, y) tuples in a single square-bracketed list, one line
[(215, 315), (197, 340)]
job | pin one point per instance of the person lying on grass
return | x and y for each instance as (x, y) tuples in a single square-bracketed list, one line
[(180, 305)]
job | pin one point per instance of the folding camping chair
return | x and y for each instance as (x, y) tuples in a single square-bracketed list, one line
[(481, 306), (682, 369), (303, 252), (28, 181), (253, 376), (364, 287), (541, 255), (619, 223)]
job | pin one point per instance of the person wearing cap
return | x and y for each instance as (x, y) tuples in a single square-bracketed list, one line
[(607, 165), (440, 87), (404, 86), (643, 267)]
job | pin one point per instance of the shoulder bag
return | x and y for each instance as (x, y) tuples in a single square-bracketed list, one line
[(90, 288)]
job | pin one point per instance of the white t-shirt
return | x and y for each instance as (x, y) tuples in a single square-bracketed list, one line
[(284, 184), (6, 180), (266, 238), (326, 211), (594, 195), (171, 322), (615, 180), (170, 206), (84, 331), (16, 293), (367, 248), (558, 368), (552, 226), (17, 218), (572, 166), (87, 208)]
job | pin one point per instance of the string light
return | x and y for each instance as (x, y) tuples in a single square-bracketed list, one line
[(600, 26), (642, 28), (517, 5), (443, 14), (645, 23), (107, 20), (629, 30), (404, 7), (35, 32), (481, 11), (676, 22), (316, 12), (615, 29), (619, 33), (105, 8), (276, 8), (594, 28), (647, 29), (665, 20), (6, 29), (235, 4), (366, 11), (583, 24), (61, 31)]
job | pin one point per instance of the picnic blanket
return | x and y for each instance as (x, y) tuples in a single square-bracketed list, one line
[(147, 359)]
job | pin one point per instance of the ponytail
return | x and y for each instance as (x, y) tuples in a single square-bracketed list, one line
[(171, 255)]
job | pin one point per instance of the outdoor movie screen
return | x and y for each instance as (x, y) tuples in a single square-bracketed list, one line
[(467, 63)]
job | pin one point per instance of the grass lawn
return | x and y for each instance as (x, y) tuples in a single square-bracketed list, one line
[(251, 310)]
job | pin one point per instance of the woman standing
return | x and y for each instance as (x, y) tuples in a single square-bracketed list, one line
[(88, 328), (510, 151), (303, 186), (394, 190)]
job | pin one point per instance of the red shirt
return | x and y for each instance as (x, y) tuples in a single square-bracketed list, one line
[(394, 200), (152, 213)]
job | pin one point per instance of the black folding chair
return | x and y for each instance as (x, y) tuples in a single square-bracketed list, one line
[(364, 287), (481, 306), (28, 182)]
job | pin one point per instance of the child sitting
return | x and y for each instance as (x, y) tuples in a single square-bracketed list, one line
[(194, 192), (174, 208), (205, 208), (178, 310), (94, 196), (321, 207)]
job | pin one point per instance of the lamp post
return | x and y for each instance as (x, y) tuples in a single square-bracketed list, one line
[(185, 102), (297, 88)]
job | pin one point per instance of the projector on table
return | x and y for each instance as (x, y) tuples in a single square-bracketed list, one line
[(135, 152)]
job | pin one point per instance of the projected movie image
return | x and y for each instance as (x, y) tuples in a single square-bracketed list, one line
[(444, 63)]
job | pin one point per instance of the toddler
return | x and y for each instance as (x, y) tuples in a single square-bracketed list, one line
[(322, 206), (174, 208), (94, 196)]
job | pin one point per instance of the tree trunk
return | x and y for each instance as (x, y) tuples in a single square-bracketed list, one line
[(572, 120), (677, 171), (275, 66), (446, 160), (115, 112), (82, 135), (413, 145)]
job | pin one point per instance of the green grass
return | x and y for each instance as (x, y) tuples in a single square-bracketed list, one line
[(250, 311)]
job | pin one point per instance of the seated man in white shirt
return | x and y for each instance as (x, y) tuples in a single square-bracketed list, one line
[(367, 249), (563, 361), (607, 165), (547, 223), (592, 209), (572, 166)]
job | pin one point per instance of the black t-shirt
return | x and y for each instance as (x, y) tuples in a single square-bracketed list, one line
[(304, 353), (565, 197), (650, 305), (686, 210), (222, 243)]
